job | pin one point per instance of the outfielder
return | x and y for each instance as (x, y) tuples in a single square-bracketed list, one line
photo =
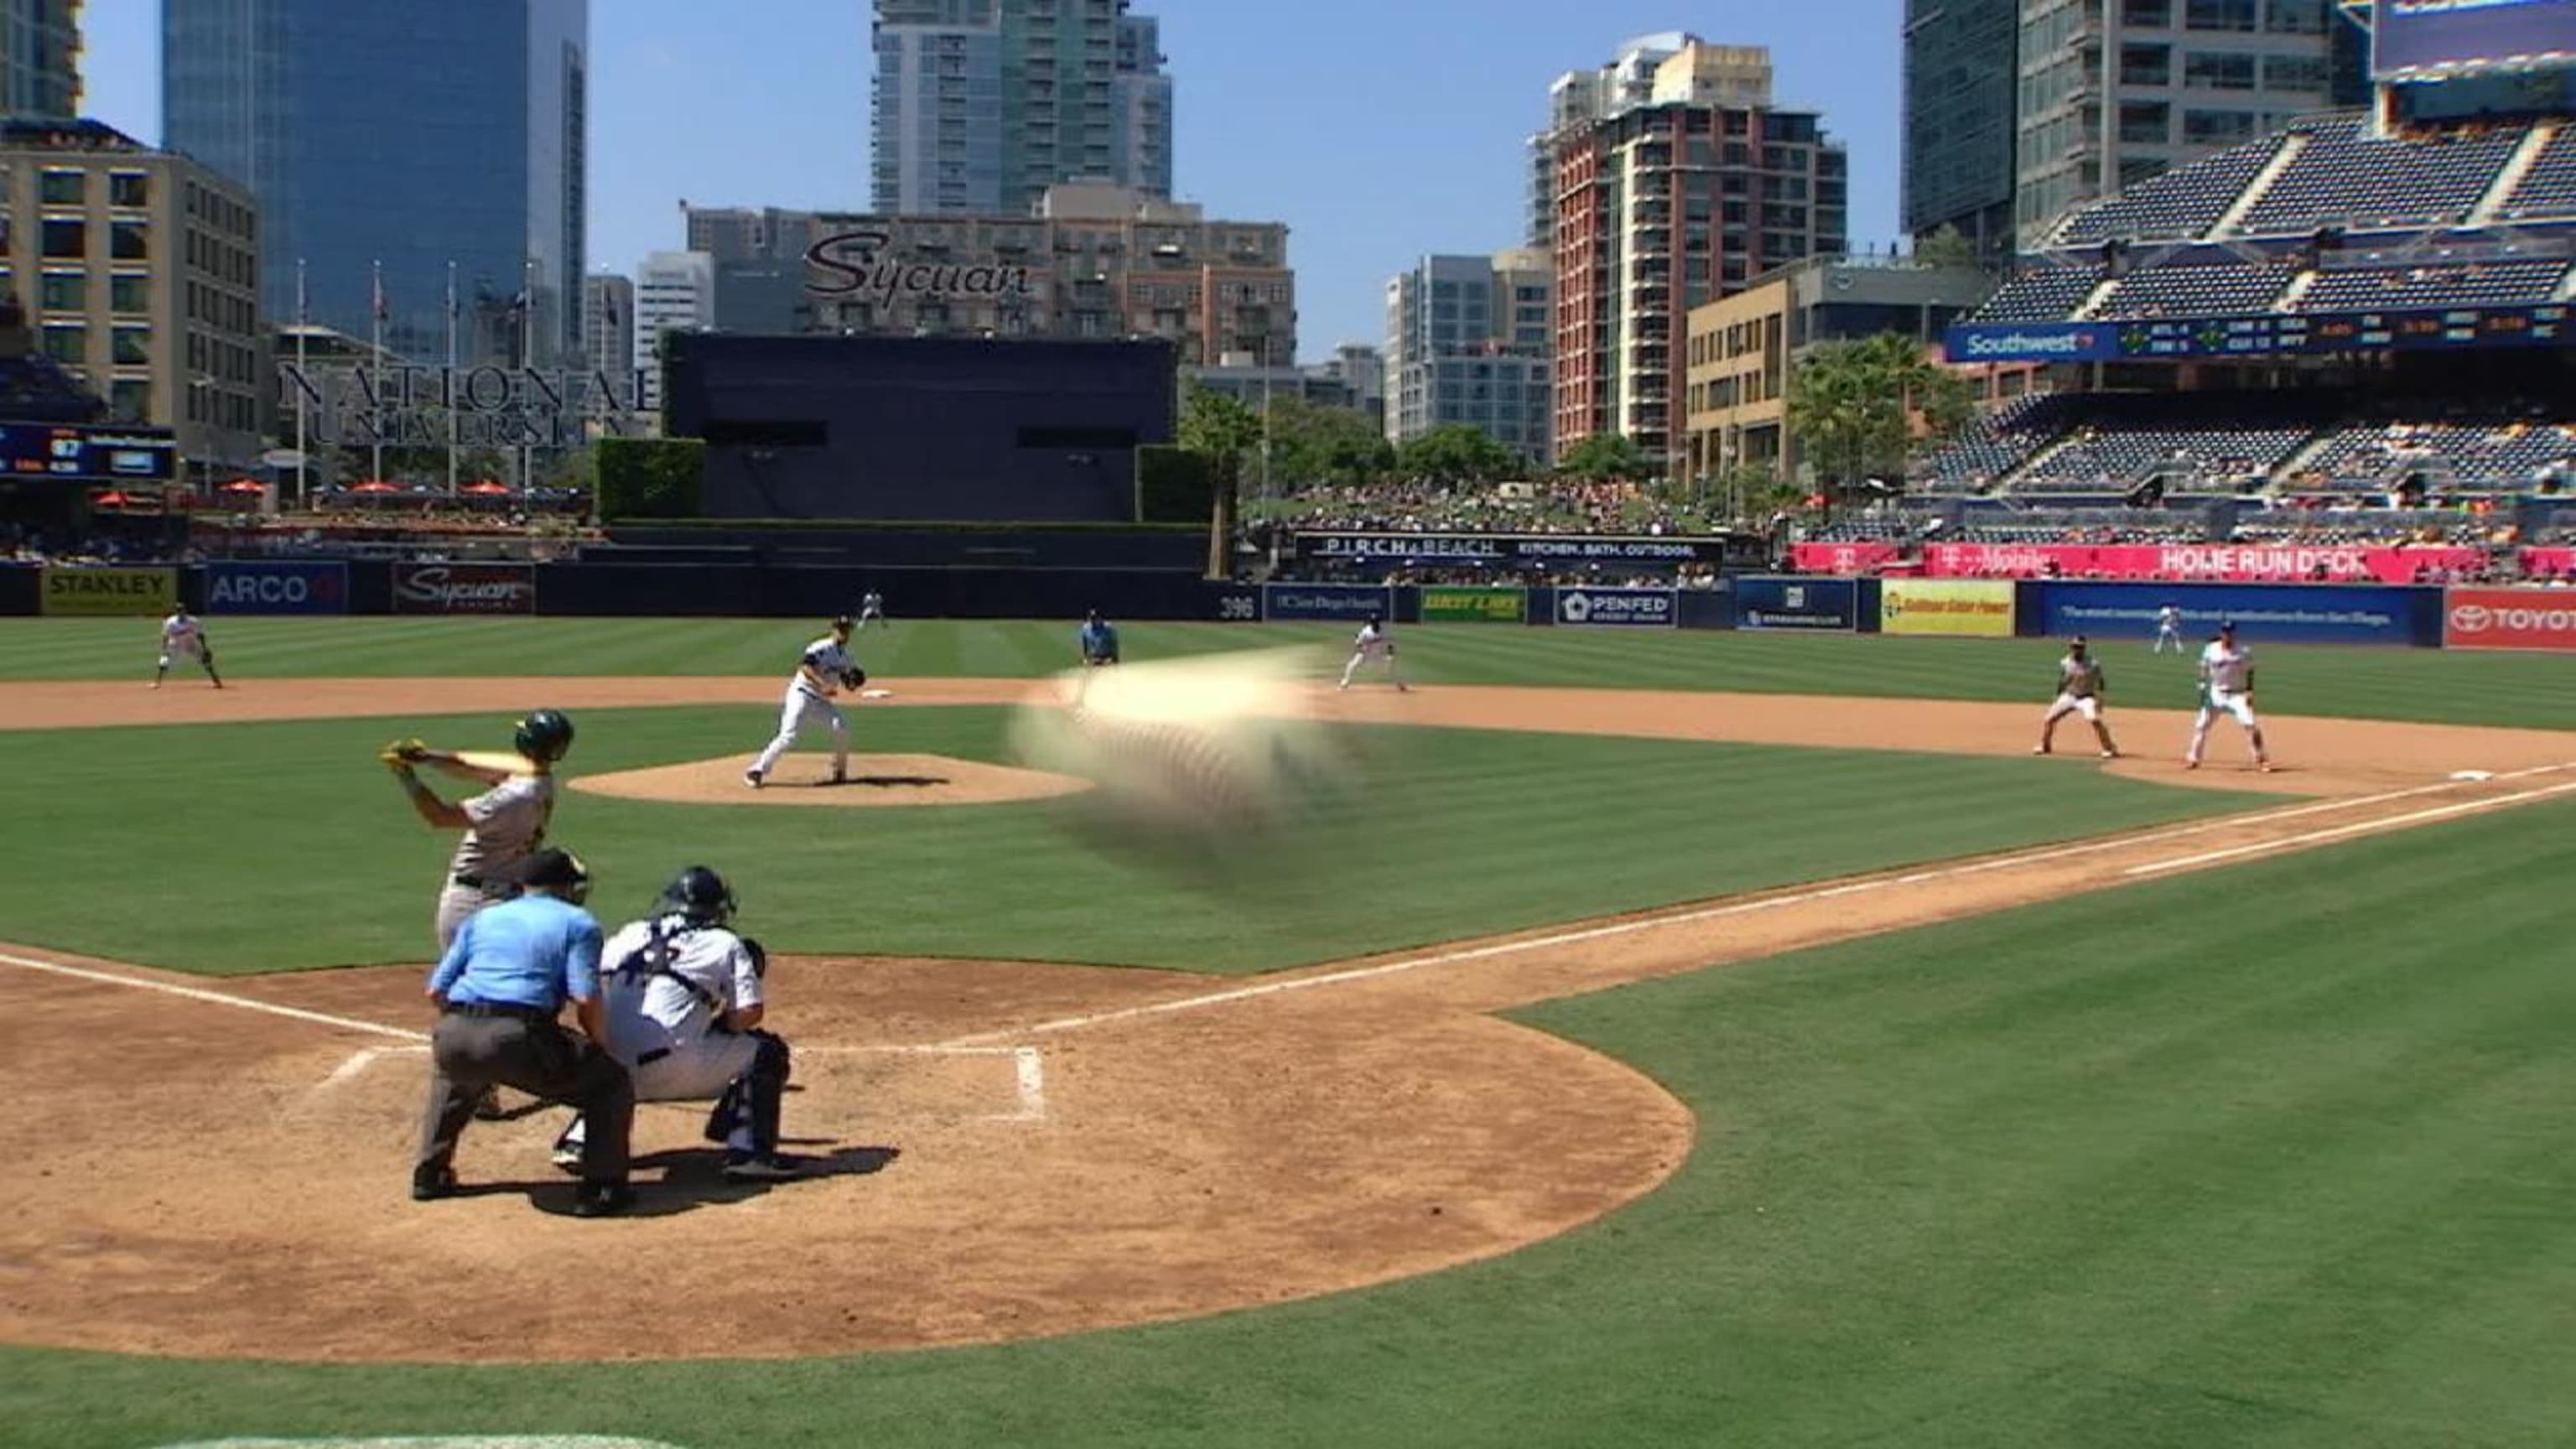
[(2227, 687), (682, 996), (2080, 681), (1373, 642), (872, 606), (182, 635), (825, 669), (2168, 629)]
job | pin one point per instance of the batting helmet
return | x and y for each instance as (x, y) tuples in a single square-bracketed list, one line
[(544, 735), (699, 894)]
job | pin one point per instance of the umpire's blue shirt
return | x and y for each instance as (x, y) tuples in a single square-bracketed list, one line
[(533, 951)]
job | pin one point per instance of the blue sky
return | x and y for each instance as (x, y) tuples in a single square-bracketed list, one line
[(1379, 130)]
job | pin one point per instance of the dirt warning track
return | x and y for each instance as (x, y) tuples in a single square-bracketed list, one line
[(1010, 1149)]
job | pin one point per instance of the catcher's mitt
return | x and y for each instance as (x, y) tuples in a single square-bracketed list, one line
[(853, 677)]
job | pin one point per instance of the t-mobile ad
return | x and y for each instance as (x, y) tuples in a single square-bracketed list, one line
[(2427, 39)]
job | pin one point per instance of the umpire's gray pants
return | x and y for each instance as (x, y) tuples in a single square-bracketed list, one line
[(471, 1053)]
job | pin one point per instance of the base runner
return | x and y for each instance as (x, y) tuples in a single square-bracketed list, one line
[(2080, 682), (183, 637), (2227, 687)]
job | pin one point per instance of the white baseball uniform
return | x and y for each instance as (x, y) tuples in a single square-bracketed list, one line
[(664, 985), (804, 704), (2227, 679), (871, 606), (181, 635), (1372, 643), (2168, 627), (504, 826)]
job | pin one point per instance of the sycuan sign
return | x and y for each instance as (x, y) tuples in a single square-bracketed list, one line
[(854, 263)]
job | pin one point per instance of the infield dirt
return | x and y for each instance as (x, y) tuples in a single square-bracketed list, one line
[(1181, 1146)]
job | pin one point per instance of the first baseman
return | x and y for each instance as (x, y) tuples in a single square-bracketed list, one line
[(1373, 642), (182, 635), (824, 670), (2080, 682), (2226, 687)]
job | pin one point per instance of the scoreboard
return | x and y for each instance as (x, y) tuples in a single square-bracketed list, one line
[(2273, 334), (56, 450)]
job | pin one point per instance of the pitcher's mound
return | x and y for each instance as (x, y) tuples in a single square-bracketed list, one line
[(807, 780)]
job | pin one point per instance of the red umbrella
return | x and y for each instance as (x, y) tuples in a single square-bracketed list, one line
[(243, 485), (376, 485), (486, 486), (111, 500)]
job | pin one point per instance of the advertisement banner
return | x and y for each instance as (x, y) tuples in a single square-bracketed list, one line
[(2549, 563), (1234, 603), (465, 588), (2509, 619), (1841, 558), (1479, 603), (284, 587), (1509, 549), (1773, 603), (2224, 562), (2415, 40), (1617, 608), (1350, 603), (1975, 608), (2030, 342), (2281, 613), (73, 590)]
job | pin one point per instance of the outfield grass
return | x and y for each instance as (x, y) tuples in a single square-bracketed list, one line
[(2434, 686), (282, 845), (2275, 1158)]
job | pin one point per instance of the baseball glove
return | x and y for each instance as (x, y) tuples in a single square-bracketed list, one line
[(853, 677), (402, 754)]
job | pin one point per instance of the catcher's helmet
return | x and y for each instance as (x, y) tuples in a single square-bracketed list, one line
[(699, 894), (559, 871), (544, 735)]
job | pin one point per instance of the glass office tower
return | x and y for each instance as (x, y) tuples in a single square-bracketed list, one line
[(415, 136)]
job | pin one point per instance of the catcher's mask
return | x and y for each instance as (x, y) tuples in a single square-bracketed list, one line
[(544, 735), (561, 872), (699, 894)]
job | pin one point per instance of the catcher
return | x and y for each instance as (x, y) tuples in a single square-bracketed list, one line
[(825, 669), (504, 826), (683, 1002)]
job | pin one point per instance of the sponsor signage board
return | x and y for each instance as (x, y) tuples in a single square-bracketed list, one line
[(1797, 603), (465, 588), (1346, 602), (77, 591), (1617, 608), (1473, 602), (299, 586), (2543, 619), (2281, 613), (1978, 608)]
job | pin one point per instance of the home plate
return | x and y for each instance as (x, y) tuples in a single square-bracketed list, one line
[(2473, 774)]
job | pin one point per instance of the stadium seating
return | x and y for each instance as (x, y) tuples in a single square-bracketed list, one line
[(2485, 456), (1993, 445), (2043, 294), (2347, 178), (2180, 204), (2462, 284), (2548, 189), (2195, 291), (2111, 458)]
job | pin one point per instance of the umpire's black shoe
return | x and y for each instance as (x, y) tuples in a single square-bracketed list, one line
[(487, 1108), (771, 1167), (602, 1199), (431, 1184)]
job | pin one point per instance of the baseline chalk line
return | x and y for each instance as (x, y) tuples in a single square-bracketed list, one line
[(219, 998), (2358, 827), (2041, 855)]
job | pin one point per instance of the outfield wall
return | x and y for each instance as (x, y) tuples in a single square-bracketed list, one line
[(2460, 617)]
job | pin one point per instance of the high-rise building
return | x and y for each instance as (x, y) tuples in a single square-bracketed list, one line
[(140, 274), (2187, 77), (981, 105), (1581, 97), (1468, 340), (1361, 371), (674, 292), (608, 324), (1667, 203), (1959, 109), (415, 136), (1090, 261), (40, 48)]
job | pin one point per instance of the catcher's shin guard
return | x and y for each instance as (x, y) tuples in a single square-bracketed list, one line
[(746, 1117)]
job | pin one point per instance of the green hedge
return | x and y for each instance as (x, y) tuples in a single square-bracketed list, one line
[(651, 478), (1174, 485)]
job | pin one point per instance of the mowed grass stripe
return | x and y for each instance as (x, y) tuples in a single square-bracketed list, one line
[(2195, 1162), (2435, 686), (282, 845)]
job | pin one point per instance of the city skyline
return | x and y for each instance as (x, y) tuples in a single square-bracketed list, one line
[(1373, 153)]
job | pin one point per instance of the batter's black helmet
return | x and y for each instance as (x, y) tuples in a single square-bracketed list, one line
[(699, 894), (544, 735)]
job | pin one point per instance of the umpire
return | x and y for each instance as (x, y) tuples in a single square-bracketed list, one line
[(499, 989)]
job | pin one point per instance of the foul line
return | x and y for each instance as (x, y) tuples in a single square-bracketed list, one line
[(2363, 827), (1028, 1071), (2039, 856), (219, 998)]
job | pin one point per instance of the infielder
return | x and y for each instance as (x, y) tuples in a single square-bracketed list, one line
[(1372, 642), (2227, 687), (683, 1000), (2079, 691), (2168, 629), (1098, 640), (872, 606), (824, 670), (181, 634)]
